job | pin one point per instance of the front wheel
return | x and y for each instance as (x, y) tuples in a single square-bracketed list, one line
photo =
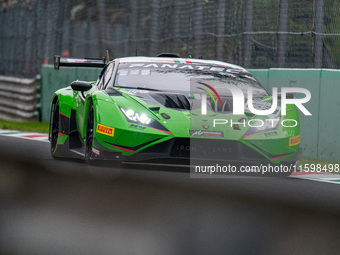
[(89, 134), (54, 129), (89, 137)]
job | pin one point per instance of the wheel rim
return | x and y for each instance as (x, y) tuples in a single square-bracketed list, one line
[(55, 127)]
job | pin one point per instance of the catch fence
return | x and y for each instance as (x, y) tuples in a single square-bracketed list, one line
[(251, 33)]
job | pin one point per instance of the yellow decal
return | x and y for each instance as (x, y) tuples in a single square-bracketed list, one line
[(105, 130), (294, 140)]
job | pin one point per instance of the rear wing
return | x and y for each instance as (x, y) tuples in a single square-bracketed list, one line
[(86, 62)]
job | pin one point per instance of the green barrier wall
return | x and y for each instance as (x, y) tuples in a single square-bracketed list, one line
[(329, 115), (309, 79), (319, 132), (52, 80)]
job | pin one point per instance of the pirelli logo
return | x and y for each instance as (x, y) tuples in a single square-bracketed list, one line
[(294, 140), (105, 130)]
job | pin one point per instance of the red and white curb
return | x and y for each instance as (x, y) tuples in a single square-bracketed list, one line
[(25, 135), (317, 176)]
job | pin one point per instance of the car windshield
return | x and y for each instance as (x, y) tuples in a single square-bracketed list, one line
[(178, 77)]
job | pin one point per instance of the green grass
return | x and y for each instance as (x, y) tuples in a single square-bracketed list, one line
[(40, 127)]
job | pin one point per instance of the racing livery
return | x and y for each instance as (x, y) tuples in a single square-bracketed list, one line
[(149, 110)]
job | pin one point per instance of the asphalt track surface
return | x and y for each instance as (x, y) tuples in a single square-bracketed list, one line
[(66, 207)]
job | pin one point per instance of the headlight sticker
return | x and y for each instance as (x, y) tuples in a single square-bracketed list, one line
[(105, 130), (136, 117), (294, 140)]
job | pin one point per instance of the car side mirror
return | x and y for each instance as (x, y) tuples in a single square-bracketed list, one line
[(81, 86), (288, 95)]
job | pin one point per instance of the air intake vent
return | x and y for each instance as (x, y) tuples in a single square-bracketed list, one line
[(177, 101)]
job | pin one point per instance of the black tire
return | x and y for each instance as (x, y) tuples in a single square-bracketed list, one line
[(89, 134), (89, 137), (55, 130)]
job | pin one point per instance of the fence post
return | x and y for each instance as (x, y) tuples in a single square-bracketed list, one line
[(154, 31), (197, 29), (220, 29), (317, 33), (133, 25), (248, 28), (281, 35), (102, 25), (176, 32)]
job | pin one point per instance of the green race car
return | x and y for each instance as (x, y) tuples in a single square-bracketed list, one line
[(169, 110)]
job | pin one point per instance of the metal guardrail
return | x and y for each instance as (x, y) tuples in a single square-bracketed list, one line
[(19, 98)]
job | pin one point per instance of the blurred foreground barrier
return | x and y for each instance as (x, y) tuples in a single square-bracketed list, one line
[(19, 98), (55, 207)]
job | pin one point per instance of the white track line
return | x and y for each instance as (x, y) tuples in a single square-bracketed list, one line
[(25, 135)]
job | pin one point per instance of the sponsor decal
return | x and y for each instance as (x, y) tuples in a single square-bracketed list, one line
[(236, 127), (95, 151), (105, 130), (183, 64), (137, 126), (206, 133), (210, 149), (132, 91), (294, 140), (165, 116), (270, 133)]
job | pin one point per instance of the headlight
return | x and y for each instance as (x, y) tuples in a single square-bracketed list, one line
[(258, 126), (136, 117), (266, 124)]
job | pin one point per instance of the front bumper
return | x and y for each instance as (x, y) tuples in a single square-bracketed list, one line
[(186, 151)]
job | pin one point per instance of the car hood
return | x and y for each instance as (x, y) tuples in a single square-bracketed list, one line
[(175, 101)]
